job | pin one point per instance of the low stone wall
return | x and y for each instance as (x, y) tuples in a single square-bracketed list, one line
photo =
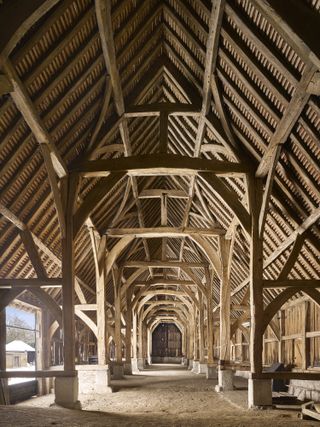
[(305, 389), (157, 359), (93, 379)]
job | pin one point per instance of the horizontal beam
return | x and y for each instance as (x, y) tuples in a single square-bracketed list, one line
[(165, 282), (30, 283), (157, 232), (155, 193), (158, 164), (37, 374), (271, 284), (164, 264), (155, 109), (310, 376)]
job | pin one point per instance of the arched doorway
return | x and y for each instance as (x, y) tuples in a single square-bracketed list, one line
[(166, 344)]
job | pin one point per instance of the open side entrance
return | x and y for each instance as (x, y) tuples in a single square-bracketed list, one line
[(166, 344)]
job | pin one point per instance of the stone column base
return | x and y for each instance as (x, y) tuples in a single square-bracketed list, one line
[(225, 380), (102, 384), (118, 371), (259, 393), (190, 364), (141, 363), (195, 366), (211, 373), (202, 368), (134, 364), (184, 361), (66, 392), (127, 368)]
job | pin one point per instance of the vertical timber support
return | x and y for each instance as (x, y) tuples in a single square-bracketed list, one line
[(134, 361), (225, 376), (202, 369), (259, 391), (66, 388), (211, 370), (128, 318), (118, 368), (4, 395)]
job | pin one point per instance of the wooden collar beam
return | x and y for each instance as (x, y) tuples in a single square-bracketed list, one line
[(156, 232), (30, 283), (158, 164)]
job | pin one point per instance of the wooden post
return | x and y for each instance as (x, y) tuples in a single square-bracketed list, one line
[(201, 328), (195, 336), (281, 327), (209, 286), (4, 397), (134, 335), (68, 276), (256, 269), (117, 316), (304, 327), (224, 246), (101, 302)]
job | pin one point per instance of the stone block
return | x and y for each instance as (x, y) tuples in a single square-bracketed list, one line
[(225, 380), (259, 393), (211, 373), (118, 371), (66, 391)]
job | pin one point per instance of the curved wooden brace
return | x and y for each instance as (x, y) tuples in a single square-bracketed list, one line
[(16, 19), (49, 302), (275, 306), (8, 296), (178, 310), (230, 197), (53, 328), (86, 319), (116, 251), (210, 252), (94, 199)]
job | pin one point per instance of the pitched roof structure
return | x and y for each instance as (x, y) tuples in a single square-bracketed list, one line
[(170, 115)]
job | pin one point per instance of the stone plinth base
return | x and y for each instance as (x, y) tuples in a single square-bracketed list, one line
[(190, 364), (66, 392), (184, 361), (137, 364), (195, 367), (202, 368), (94, 379), (225, 380), (211, 373), (259, 393), (127, 367), (118, 371)]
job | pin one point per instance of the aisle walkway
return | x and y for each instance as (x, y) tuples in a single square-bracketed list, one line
[(162, 395)]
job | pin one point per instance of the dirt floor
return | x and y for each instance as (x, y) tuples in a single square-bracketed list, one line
[(160, 396)]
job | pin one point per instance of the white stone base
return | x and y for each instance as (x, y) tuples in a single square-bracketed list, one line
[(94, 379), (211, 373), (202, 368), (190, 364), (225, 380), (66, 392), (127, 368), (195, 367), (102, 383), (118, 371), (140, 363), (259, 393)]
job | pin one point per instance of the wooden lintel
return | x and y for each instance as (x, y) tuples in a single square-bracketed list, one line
[(159, 164), (164, 232), (30, 283), (164, 264), (271, 284)]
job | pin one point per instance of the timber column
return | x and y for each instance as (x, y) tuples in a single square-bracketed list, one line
[(211, 370), (66, 388), (259, 390), (118, 368), (225, 376), (4, 398), (128, 317), (195, 366), (202, 368)]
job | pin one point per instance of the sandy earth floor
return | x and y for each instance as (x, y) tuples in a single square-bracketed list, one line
[(161, 396)]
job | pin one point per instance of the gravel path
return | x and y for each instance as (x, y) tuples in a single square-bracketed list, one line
[(160, 397)]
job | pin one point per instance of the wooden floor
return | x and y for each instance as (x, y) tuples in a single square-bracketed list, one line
[(164, 395)]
